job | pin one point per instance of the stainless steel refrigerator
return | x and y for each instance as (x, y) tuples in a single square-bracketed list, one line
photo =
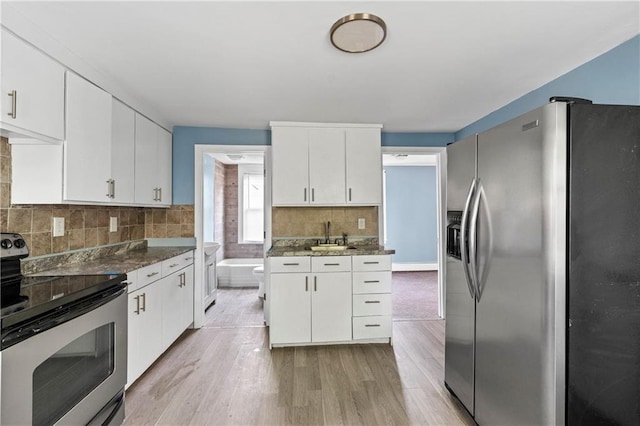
[(543, 268)]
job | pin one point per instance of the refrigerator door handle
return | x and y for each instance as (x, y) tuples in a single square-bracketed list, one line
[(473, 246), (463, 238)]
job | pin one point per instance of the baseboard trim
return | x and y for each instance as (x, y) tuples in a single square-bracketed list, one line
[(404, 267)]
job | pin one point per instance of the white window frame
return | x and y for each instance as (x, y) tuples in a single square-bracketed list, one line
[(252, 169)]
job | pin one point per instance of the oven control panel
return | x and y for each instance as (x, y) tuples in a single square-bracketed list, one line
[(12, 245)]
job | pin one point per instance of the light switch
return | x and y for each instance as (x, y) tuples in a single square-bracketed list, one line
[(361, 223), (113, 224), (58, 226)]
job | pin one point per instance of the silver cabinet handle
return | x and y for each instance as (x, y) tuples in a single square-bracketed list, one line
[(113, 188), (305, 194), (349, 194), (315, 283), (144, 302), (371, 281), (313, 194), (173, 265), (371, 301), (108, 188), (155, 194), (331, 264), (372, 325), (14, 104), (183, 279), (371, 263), (188, 258), (160, 196), (152, 274), (306, 283), (290, 264), (137, 311)]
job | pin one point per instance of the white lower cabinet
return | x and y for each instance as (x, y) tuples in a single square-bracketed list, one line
[(372, 308), (329, 299), (312, 305), (160, 309)]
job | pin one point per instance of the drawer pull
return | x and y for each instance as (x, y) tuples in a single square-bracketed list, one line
[(371, 281), (173, 265), (137, 310), (331, 264), (188, 258), (371, 301), (290, 264), (372, 325), (306, 283), (371, 263), (152, 274)]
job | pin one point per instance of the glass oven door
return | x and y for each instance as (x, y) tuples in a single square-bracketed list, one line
[(68, 373)]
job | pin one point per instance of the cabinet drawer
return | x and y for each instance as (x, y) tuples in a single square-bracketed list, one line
[(331, 264), (132, 281), (290, 264), (149, 274), (176, 263), (372, 263), (372, 327), (371, 304), (372, 282)]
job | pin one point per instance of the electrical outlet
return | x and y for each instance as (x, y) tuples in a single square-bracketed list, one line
[(113, 224), (361, 224), (58, 226)]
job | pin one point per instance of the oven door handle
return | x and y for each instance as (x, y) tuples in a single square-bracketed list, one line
[(23, 331)]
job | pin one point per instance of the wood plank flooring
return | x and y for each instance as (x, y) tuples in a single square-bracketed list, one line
[(224, 374)]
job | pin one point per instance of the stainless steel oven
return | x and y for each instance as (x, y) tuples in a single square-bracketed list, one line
[(63, 350)]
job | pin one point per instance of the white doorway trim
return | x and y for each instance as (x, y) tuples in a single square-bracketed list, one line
[(199, 152), (441, 172)]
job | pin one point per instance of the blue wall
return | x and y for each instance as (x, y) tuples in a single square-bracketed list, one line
[(611, 78), (411, 206)]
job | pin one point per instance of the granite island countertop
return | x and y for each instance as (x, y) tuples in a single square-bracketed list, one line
[(119, 262)]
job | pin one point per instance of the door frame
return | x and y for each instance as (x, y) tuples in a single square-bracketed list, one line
[(199, 270), (440, 154)]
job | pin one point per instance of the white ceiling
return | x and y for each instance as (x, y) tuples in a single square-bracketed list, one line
[(242, 64)]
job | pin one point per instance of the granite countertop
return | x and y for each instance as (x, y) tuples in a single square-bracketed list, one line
[(120, 262), (297, 250)]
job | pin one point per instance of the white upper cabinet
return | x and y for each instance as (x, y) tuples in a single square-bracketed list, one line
[(152, 163), (87, 150), (326, 165), (364, 166), (32, 92), (122, 153), (290, 172)]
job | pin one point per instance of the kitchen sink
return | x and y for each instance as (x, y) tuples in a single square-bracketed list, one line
[(330, 247)]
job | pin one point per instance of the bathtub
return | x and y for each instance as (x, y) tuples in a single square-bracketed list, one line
[(238, 272)]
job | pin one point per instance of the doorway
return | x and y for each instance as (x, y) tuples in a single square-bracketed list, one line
[(232, 213), (412, 221)]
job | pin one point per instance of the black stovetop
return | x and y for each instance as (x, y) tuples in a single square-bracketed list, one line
[(27, 297)]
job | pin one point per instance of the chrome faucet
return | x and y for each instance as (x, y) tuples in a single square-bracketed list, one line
[(327, 232)]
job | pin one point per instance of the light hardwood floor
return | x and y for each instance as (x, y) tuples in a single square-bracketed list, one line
[(226, 375)]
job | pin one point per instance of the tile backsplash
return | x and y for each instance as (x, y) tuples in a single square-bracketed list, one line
[(85, 226), (309, 222)]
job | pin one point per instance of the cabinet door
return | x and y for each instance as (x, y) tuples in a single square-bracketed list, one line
[(122, 152), (134, 334), (326, 166), (87, 149), (187, 298), (164, 164), (151, 346), (38, 82), (331, 307), (290, 171), (145, 161), (172, 312), (364, 166), (290, 309)]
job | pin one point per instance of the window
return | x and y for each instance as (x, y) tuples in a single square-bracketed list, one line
[(250, 204)]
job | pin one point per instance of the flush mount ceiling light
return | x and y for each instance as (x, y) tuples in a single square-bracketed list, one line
[(358, 32)]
